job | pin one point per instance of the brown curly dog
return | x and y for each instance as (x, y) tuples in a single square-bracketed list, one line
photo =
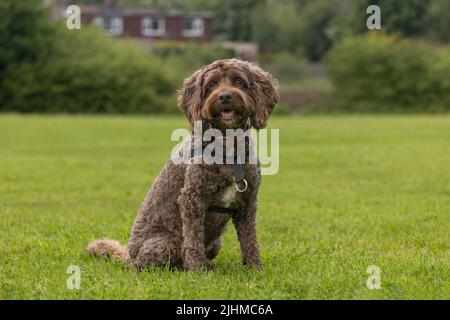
[(185, 213)]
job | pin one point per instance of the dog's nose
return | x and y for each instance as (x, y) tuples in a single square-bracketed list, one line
[(224, 97)]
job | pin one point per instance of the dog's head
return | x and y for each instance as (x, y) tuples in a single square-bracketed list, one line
[(227, 93)]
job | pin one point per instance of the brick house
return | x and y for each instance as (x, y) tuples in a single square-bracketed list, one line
[(145, 24)]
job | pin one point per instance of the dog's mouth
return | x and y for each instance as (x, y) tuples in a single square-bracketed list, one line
[(228, 114)]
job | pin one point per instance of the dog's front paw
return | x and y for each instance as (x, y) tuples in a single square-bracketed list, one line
[(197, 265), (256, 264)]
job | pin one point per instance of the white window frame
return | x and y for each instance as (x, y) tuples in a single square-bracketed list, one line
[(197, 30), (115, 26), (98, 21), (147, 23)]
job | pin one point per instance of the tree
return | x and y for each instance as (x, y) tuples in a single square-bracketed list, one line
[(25, 32), (25, 43), (439, 27), (314, 32), (408, 18)]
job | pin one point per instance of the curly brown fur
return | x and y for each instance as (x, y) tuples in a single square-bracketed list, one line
[(176, 224)]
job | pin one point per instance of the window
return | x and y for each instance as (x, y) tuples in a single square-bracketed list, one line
[(193, 27), (98, 22), (153, 26), (112, 25)]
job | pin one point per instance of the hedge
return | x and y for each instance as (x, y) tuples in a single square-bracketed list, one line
[(390, 73)]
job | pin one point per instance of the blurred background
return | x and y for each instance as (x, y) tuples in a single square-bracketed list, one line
[(130, 56)]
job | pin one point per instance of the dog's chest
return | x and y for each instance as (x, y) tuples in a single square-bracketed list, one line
[(229, 196)]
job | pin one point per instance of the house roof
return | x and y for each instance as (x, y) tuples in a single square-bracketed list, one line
[(133, 11)]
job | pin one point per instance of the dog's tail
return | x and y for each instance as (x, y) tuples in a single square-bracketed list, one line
[(108, 249)]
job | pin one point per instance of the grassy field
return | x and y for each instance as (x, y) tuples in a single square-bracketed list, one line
[(352, 191)]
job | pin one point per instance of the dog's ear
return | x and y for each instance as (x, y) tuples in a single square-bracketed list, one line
[(189, 97), (264, 88)]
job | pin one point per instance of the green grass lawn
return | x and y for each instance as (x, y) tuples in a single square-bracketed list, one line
[(352, 191)]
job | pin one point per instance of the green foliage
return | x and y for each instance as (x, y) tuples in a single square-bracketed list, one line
[(439, 21), (407, 18), (284, 66), (98, 74), (311, 26), (84, 71), (411, 18), (294, 27), (315, 21), (25, 34), (186, 57), (439, 77), (26, 42), (390, 73), (264, 29), (46, 68)]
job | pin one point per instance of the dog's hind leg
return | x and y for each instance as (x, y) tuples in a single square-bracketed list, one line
[(158, 251)]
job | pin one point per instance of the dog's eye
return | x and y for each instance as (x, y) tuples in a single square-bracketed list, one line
[(211, 85), (240, 82)]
